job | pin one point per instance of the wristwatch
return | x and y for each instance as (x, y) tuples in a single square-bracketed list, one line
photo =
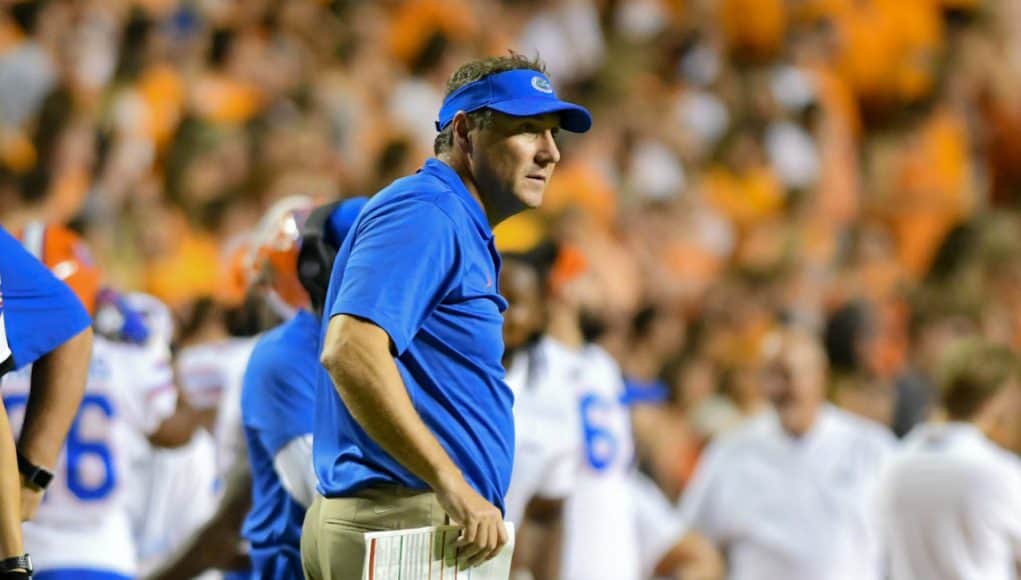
[(38, 477), (15, 562)]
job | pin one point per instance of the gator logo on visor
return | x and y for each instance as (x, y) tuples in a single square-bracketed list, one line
[(542, 85)]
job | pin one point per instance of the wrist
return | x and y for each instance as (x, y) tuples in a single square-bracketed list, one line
[(33, 476), (14, 564), (446, 478)]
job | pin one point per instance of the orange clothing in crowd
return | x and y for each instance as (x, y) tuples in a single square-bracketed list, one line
[(753, 26), (578, 184), (932, 188), (415, 21), (520, 233), (191, 270), (889, 48), (745, 198), (163, 91), (223, 99)]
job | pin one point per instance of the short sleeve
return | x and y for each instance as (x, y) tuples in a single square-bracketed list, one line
[(40, 312), (404, 260), (273, 403)]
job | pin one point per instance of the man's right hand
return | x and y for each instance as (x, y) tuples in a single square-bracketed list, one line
[(483, 532)]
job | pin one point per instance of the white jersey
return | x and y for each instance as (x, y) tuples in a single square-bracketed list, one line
[(83, 521), (184, 483), (179, 495), (211, 375), (951, 506), (600, 527), (207, 370), (798, 509), (548, 445)]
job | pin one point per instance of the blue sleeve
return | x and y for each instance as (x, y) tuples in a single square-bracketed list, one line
[(404, 260), (643, 393), (278, 400), (40, 311)]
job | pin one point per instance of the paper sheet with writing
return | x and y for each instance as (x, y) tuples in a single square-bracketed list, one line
[(428, 554)]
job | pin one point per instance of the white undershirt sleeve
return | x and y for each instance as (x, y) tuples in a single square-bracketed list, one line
[(293, 465)]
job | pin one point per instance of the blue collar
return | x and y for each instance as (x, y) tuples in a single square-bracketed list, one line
[(447, 175)]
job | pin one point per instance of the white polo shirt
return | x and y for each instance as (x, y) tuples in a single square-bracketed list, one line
[(797, 509), (951, 506)]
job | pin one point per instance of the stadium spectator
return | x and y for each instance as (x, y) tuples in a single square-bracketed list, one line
[(951, 498), (789, 495)]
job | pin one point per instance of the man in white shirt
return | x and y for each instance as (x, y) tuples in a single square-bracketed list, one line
[(951, 499), (789, 495)]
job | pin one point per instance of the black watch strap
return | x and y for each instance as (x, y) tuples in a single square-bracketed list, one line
[(38, 476), (14, 562)]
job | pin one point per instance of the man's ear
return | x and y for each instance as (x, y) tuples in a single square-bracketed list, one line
[(462, 132)]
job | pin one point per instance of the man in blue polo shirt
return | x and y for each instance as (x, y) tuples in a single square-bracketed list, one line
[(278, 402), (41, 322), (413, 420)]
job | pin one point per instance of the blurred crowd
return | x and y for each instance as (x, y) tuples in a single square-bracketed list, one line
[(850, 165)]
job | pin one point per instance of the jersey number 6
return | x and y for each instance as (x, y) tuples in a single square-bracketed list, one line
[(77, 449)]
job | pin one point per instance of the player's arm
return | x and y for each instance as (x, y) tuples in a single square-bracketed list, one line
[(177, 429), (538, 544), (158, 407), (692, 558), (215, 545), (58, 384), (293, 466), (356, 353), (10, 492)]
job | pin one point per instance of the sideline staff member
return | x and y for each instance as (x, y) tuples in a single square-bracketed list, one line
[(416, 424)]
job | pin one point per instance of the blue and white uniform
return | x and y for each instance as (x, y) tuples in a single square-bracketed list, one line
[(83, 528), (601, 532), (548, 435)]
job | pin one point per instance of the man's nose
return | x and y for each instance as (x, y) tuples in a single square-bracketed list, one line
[(548, 151)]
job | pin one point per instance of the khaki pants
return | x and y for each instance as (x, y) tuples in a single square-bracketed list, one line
[(332, 547)]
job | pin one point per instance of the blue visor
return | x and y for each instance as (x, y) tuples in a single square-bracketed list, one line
[(518, 93)]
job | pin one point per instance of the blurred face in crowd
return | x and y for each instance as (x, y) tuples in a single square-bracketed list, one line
[(1002, 412), (520, 285), (794, 379), (512, 161), (936, 337)]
